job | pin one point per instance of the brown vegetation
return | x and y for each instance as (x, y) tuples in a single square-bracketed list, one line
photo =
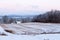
[(10, 31)]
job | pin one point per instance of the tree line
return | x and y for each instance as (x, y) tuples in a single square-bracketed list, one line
[(52, 16), (7, 20)]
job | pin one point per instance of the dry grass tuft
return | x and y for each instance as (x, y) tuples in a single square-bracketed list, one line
[(10, 31)]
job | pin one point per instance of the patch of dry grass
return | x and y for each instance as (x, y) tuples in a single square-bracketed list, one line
[(10, 31)]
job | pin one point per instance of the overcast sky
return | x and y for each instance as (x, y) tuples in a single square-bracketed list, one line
[(25, 7)]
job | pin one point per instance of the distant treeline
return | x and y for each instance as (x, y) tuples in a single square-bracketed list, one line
[(52, 16), (7, 20)]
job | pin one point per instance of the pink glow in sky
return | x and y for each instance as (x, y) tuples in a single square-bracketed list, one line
[(10, 6)]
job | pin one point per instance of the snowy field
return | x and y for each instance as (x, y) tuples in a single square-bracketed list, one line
[(32, 28), (27, 37), (30, 31)]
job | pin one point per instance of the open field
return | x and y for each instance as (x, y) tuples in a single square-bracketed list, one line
[(27, 37), (32, 28), (30, 31)]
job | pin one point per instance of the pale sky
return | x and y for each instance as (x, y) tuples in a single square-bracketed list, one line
[(25, 7)]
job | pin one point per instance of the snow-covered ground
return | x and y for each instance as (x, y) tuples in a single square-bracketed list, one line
[(27, 37), (30, 31), (32, 28)]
